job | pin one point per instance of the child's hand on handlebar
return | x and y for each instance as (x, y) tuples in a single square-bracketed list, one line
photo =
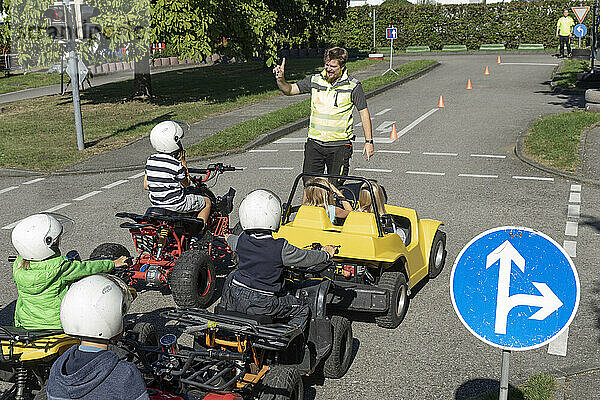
[(329, 249), (121, 261)]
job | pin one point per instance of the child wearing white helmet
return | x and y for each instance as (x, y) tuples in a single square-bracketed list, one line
[(167, 176), (42, 275), (256, 287), (93, 309)]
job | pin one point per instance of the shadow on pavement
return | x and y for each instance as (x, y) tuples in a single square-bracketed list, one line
[(566, 100), (591, 221), (474, 388)]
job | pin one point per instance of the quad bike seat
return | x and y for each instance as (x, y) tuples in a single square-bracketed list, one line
[(163, 214), (20, 344), (247, 318)]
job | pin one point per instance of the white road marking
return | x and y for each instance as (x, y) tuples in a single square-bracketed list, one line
[(478, 176), (263, 151), (33, 181), (570, 247), (417, 121), (487, 156), (372, 170), (8, 189), (56, 208), (533, 178), (571, 228), (574, 197), (428, 153), (426, 173), (393, 151), (525, 63), (298, 150), (10, 226), (558, 346), (573, 211), (139, 174), (88, 195), (277, 168), (385, 125), (575, 188), (117, 183), (383, 111)]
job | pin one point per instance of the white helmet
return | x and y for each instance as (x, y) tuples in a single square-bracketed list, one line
[(94, 307), (36, 237), (166, 136), (260, 209)]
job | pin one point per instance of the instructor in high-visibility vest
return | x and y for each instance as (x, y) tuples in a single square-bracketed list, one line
[(334, 94), (564, 31)]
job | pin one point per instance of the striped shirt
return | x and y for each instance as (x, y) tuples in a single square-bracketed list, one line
[(163, 175)]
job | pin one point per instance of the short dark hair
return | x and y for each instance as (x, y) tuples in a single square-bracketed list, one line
[(336, 53)]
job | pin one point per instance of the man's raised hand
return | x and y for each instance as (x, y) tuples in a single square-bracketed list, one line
[(279, 70)]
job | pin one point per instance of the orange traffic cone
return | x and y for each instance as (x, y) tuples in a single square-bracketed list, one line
[(487, 71), (499, 61), (394, 134), (441, 102), (469, 84)]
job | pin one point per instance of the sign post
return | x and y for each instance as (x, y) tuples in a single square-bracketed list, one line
[(516, 289), (580, 13), (391, 34)]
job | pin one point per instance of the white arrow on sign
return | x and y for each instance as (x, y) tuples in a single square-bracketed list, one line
[(580, 30), (507, 254)]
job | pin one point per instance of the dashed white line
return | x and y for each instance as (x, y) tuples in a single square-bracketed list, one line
[(277, 168), (8, 189), (33, 181), (575, 188), (533, 178), (571, 228), (428, 153), (575, 197), (56, 208), (88, 195), (477, 176), (426, 173), (526, 63), (117, 183), (263, 151), (417, 121), (139, 174), (383, 111), (487, 156), (573, 211), (570, 247), (393, 151), (296, 150), (372, 170)]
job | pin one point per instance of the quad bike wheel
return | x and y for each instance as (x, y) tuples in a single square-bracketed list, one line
[(437, 258), (282, 382), (109, 251), (338, 362), (192, 279), (395, 283)]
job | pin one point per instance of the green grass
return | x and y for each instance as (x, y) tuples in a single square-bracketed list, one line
[(239, 135), (538, 387), (40, 134), (567, 77), (554, 140), (15, 82)]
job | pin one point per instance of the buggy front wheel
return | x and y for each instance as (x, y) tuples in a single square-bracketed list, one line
[(282, 382)]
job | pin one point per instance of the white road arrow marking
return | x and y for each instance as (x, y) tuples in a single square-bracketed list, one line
[(385, 125), (507, 254)]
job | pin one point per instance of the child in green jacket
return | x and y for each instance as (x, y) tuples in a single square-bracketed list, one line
[(42, 275)]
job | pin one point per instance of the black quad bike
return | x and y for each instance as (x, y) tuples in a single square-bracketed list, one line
[(165, 255)]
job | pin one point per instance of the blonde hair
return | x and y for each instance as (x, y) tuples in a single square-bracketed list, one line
[(317, 195), (23, 264), (365, 203)]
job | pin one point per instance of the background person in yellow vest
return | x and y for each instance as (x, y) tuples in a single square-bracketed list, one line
[(334, 94), (564, 31)]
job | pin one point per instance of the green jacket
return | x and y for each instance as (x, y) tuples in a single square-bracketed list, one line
[(42, 286)]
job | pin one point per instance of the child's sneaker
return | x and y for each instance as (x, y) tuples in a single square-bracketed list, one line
[(202, 242)]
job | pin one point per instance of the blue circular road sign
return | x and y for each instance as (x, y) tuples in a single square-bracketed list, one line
[(514, 288), (580, 30)]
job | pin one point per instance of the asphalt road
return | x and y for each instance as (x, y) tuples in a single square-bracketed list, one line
[(454, 164)]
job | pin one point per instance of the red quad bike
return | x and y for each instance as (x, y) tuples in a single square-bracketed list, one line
[(162, 240)]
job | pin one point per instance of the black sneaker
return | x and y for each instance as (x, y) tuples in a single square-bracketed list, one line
[(202, 242)]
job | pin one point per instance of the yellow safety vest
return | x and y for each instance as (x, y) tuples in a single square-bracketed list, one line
[(564, 25), (331, 108)]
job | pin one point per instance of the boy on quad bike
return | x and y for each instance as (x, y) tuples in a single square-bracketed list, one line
[(256, 287), (167, 176), (42, 275)]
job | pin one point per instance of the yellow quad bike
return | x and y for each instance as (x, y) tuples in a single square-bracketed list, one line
[(27, 356), (375, 268)]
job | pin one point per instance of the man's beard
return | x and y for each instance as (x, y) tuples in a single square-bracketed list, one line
[(332, 78)]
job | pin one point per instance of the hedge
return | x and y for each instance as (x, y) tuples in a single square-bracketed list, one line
[(508, 23)]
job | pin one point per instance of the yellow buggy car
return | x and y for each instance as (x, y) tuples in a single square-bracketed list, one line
[(374, 270)]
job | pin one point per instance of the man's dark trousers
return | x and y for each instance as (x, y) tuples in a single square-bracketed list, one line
[(318, 156), (563, 40)]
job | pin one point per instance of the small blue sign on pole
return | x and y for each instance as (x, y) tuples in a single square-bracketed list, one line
[(580, 30), (391, 33), (514, 288)]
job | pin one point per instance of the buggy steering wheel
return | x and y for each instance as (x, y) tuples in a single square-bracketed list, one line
[(350, 196)]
